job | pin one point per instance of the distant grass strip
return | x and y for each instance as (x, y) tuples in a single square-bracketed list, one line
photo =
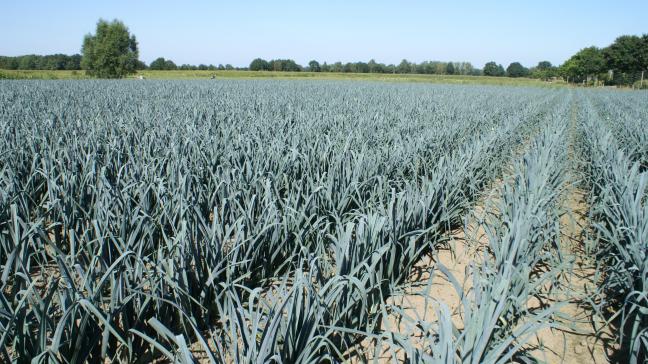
[(180, 74)]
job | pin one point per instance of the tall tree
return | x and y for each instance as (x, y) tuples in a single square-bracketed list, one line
[(111, 52)]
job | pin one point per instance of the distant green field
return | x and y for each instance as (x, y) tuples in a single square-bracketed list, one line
[(448, 79), (41, 75)]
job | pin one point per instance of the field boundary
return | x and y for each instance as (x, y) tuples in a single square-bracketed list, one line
[(235, 74)]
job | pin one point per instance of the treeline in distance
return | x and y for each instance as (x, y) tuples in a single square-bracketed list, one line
[(36, 62), (621, 63)]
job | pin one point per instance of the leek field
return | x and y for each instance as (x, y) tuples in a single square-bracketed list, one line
[(321, 221)]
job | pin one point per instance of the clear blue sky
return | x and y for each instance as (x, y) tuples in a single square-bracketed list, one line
[(235, 32)]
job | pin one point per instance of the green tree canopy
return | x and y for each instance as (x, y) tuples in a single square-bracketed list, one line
[(586, 63), (336, 67), (47, 62), (284, 65), (314, 66), (544, 70), (644, 51), (161, 64), (628, 53), (169, 65), (516, 69), (158, 64), (259, 64), (544, 65), (28, 62), (111, 52), (493, 69), (375, 67)]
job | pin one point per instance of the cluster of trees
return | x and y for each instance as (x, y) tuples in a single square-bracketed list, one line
[(516, 69), (622, 62), (36, 62), (211, 67), (287, 65), (404, 67), (544, 70), (494, 69), (427, 67), (162, 64)]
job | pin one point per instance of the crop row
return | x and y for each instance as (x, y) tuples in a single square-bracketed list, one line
[(615, 171)]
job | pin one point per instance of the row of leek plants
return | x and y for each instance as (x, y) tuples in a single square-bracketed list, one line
[(619, 215)]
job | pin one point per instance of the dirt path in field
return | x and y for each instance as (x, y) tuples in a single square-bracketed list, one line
[(583, 336)]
